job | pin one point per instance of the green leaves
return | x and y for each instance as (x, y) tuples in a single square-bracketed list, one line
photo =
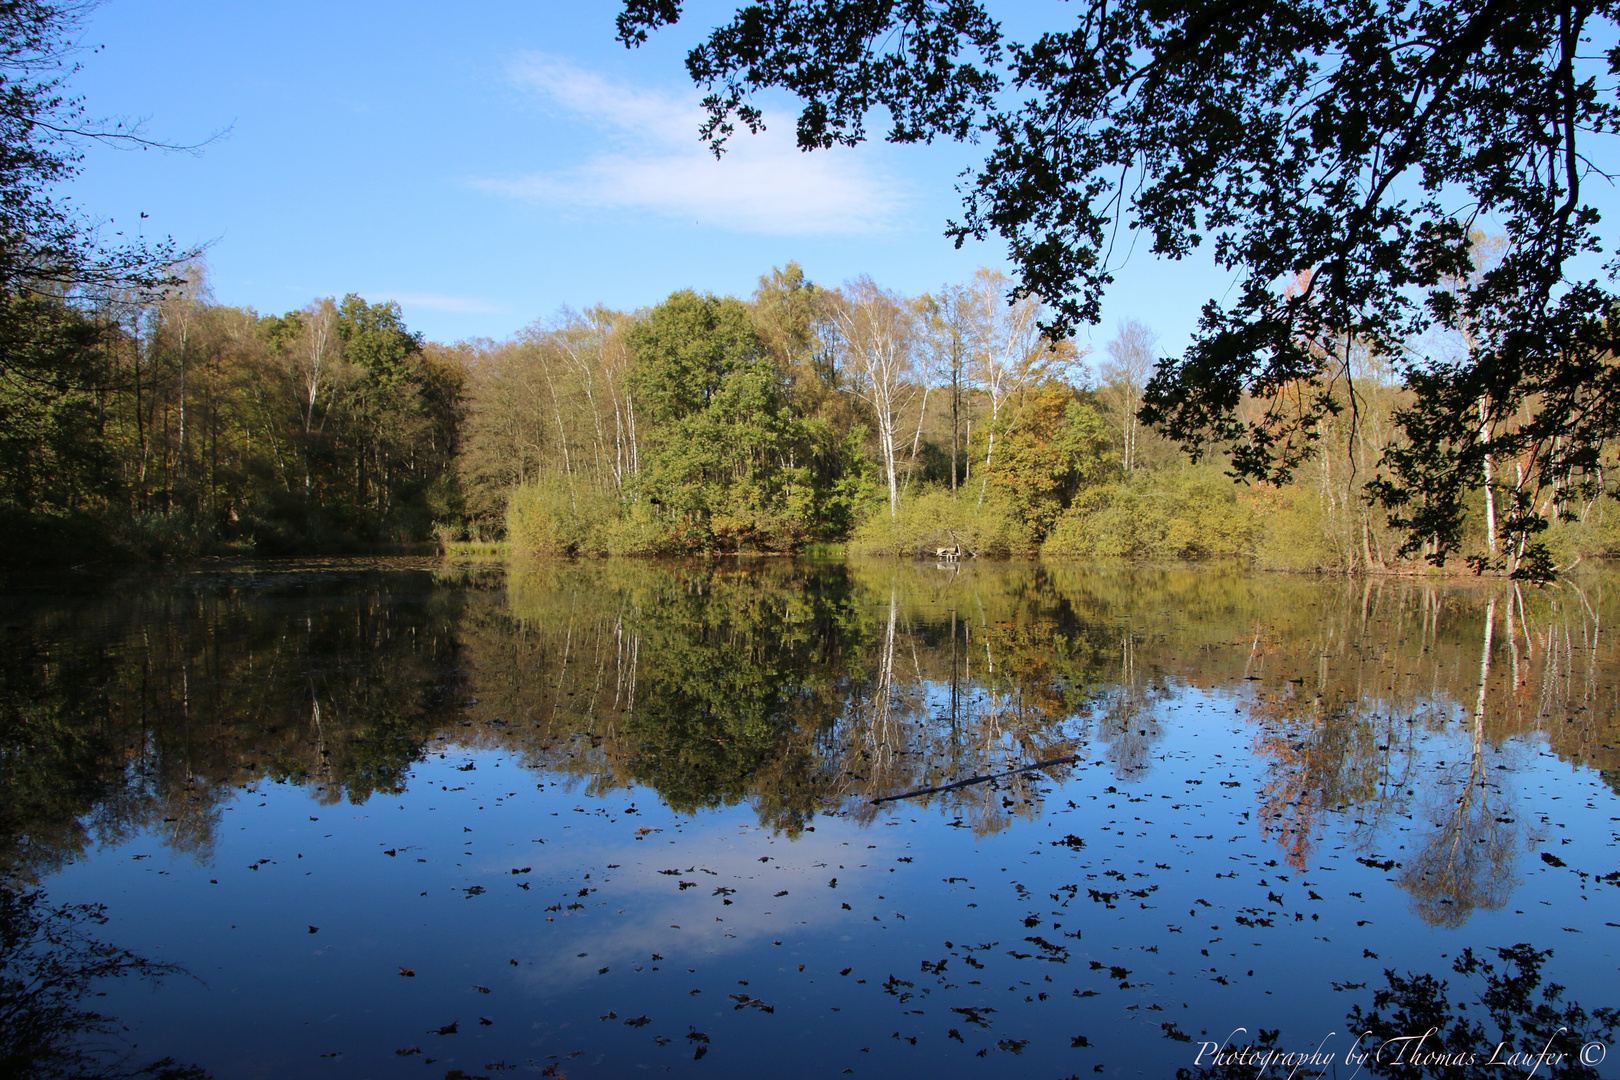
[(1345, 145), (843, 58), (375, 338), (725, 454)]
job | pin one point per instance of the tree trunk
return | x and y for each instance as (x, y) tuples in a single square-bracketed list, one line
[(1490, 490)]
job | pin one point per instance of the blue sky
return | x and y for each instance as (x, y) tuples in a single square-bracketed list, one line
[(486, 164)]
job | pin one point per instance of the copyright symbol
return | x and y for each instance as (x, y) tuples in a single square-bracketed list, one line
[(1593, 1053)]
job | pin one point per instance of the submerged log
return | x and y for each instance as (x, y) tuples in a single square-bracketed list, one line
[(1071, 759)]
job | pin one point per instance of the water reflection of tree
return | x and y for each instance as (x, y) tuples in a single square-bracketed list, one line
[(969, 674), (803, 689), (797, 687), (147, 704), (50, 962), (1322, 757), (969, 681), (1468, 861), (728, 682), (1128, 724)]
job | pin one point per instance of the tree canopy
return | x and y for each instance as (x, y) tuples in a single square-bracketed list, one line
[(46, 245), (1339, 157)]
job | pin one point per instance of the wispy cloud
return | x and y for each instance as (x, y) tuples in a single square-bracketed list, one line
[(651, 160), (440, 302)]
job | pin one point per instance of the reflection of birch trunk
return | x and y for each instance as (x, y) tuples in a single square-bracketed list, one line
[(1513, 645), (868, 749), (562, 432), (624, 686), (886, 668), (1127, 725), (562, 670), (322, 756), (878, 734), (1468, 862), (1484, 678), (1592, 633)]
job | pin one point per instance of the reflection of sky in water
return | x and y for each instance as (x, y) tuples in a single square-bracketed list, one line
[(1242, 867), (1159, 847)]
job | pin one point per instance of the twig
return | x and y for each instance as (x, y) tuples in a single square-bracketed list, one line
[(978, 779)]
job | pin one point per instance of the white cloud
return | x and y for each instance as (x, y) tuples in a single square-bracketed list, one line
[(440, 302), (651, 160)]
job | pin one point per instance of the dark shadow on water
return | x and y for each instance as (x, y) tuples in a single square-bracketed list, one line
[(51, 961)]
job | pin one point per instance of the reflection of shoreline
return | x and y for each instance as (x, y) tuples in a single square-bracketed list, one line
[(799, 688)]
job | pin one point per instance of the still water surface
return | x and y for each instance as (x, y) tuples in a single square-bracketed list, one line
[(396, 818)]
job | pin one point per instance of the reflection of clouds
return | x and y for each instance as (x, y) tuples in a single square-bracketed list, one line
[(652, 902)]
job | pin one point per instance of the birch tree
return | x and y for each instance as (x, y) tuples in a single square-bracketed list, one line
[(950, 334), (314, 359), (1012, 353), (877, 342), (1132, 356)]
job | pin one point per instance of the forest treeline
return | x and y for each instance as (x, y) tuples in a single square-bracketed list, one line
[(802, 415)]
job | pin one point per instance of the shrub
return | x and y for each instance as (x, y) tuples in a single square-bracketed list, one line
[(550, 517), (1295, 536), (932, 518), (1185, 514)]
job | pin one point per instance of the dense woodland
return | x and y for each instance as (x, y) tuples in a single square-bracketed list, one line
[(167, 424)]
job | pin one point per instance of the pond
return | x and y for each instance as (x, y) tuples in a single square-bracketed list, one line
[(796, 818)]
